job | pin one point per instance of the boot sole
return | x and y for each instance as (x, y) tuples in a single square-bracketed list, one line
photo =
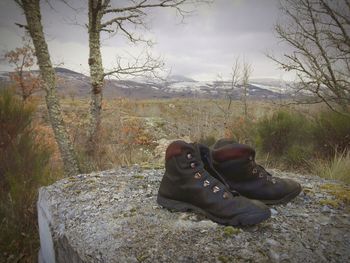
[(242, 220), (284, 199)]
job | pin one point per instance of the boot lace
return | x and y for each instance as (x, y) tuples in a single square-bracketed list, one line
[(199, 173), (259, 171), (206, 158)]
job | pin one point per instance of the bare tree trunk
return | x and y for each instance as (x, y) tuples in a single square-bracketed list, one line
[(31, 10), (103, 17), (96, 74), (245, 106), (247, 70)]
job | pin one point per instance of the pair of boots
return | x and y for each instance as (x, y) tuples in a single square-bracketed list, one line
[(225, 184)]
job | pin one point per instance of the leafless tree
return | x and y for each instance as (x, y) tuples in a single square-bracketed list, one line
[(240, 75), (246, 73), (318, 32), (119, 18), (235, 81), (31, 9)]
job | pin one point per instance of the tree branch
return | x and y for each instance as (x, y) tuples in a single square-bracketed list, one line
[(144, 4)]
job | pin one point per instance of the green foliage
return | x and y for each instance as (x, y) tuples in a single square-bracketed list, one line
[(331, 133), (282, 131), (314, 144), (23, 169), (298, 155), (285, 135), (14, 117)]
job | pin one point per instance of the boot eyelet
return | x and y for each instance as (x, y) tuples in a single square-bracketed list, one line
[(261, 175), (189, 156), (255, 171), (193, 165), (251, 158), (225, 195), (197, 175), (206, 183), (216, 189)]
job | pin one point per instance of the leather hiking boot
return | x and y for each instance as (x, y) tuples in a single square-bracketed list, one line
[(236, 164), (187, 186)]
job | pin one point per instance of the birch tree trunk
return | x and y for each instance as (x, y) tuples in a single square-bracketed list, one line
[(31, 10), (103, 17), (96, 74)]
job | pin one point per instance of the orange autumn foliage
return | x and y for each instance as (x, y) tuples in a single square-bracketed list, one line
[(45, 136), (134, 132), (23, 59)]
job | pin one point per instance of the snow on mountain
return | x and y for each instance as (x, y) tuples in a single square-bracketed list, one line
[(194, 86), (277, 89), (180, 78), (174, 86)]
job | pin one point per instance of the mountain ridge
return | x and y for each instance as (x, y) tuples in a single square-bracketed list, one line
[(76, 84)]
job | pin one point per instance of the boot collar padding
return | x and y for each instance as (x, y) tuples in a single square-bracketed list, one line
[(177, 148), (233, 152)]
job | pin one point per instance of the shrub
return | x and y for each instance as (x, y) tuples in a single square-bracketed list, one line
[(331, 133), (23, 169), (276, 134), (134, 132), (242, 130), (298, 155), (285, 135)]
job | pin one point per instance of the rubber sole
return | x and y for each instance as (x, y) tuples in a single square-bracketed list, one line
[(239, 220), (284, 199)]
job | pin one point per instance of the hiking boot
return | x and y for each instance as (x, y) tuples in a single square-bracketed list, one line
[(187, 186), (236, 164)]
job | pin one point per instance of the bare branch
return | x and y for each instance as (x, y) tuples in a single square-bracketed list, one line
[(318, 33), (145, 4), (140, 66), (135, 14), (118, 20)]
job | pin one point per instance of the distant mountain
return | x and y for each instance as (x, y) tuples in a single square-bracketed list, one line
[(269, 81), (71, 83), (179, 78), (66, 71)]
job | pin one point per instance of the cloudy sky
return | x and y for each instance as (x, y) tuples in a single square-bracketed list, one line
[(203, 46)]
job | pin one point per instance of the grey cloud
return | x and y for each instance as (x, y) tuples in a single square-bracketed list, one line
[(204, 45)]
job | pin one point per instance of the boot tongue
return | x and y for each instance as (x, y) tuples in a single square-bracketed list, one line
[(207, 159), (233, 152), (203, 151), (197, 149)]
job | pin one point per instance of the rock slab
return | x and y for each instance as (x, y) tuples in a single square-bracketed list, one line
[(112, 216)]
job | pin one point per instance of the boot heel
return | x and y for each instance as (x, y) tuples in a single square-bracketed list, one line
[(173, 204)]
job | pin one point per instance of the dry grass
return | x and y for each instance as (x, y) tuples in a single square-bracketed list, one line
[(131, 129), (337, 168)]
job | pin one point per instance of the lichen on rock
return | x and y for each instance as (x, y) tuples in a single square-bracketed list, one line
[(112, 216)]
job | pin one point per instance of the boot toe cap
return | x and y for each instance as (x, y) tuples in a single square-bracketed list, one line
[(291, 186), (284, 191), (254, 212)]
